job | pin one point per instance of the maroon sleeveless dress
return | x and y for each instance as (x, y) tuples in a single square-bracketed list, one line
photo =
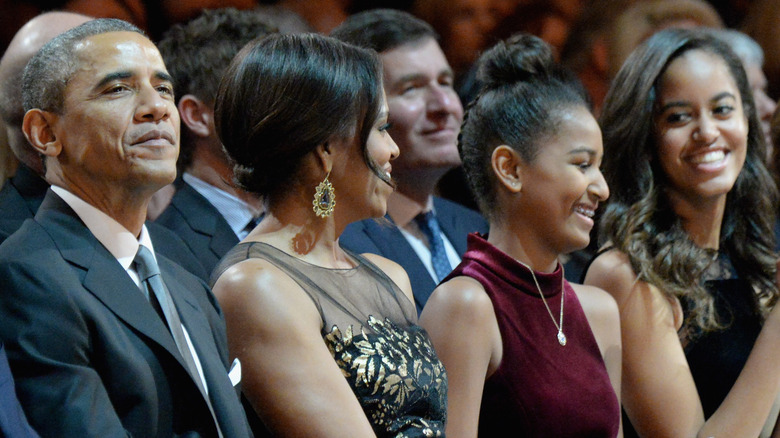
[(540, 389)]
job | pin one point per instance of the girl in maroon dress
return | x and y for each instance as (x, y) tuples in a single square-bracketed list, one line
[(525, 351)]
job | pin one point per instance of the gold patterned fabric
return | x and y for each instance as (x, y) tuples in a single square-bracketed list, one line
[(397, 377)]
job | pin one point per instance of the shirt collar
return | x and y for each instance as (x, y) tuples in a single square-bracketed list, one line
[(117, 239), (236, 212)]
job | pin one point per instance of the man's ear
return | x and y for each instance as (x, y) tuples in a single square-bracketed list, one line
[(508, 168), (38, 128), (198, 116)]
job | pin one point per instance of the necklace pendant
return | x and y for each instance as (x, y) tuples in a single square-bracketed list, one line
[(561, 338)]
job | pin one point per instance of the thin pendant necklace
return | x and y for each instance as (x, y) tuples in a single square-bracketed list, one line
[(558, 325)]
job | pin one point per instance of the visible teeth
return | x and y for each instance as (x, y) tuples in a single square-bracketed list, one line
[(584, 211), (709, 157), (387, 174)]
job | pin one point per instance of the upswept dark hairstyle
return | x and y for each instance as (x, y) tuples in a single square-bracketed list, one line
[(523, 95), (639, 220), (383, 29), (198, 52), (283, 95), (48, 72)]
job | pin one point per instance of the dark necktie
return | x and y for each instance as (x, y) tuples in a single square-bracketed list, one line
[(252, 224), (430, 227), (155, 290)]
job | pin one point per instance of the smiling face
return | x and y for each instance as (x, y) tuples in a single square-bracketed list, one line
[(119, 127), (364, 193), (562, 186), (425, 111), (701, 129)]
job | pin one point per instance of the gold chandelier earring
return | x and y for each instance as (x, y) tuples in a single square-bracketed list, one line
[(324, 198)]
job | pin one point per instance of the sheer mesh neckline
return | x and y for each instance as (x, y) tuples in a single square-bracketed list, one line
[(312, 265), (343, 296)]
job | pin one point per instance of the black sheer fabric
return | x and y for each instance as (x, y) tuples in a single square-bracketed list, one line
[(369, 326)]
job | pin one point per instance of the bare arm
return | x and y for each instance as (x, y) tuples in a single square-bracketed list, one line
[(461, 322), (770, 426), (658, 390), (603, 316), (290, 378)]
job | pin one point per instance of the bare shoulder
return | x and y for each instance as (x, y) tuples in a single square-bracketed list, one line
[(596, 301), (461, 299), (393, 270), (258, 290), (248, 276), (602, 313), (461, 320), (613, 273)]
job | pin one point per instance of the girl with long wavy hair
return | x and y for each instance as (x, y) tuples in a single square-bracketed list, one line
[(689, 254)]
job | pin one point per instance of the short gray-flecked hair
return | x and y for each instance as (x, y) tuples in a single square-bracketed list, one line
[(48, 72)]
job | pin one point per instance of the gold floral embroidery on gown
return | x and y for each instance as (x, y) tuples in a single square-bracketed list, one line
[(370, 328), (395, 374)]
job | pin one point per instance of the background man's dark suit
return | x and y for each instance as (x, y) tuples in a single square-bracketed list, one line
[(13, 423), (19, 199), (22, 195), (386, 240), (89, 354), (195, 220)]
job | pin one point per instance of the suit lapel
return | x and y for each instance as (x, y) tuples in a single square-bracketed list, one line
[(102, 275), (220, 390), (455, 230), (394, 246), (106, 279), (201, 215)]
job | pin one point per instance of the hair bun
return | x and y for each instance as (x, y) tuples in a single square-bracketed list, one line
[(519, 58)]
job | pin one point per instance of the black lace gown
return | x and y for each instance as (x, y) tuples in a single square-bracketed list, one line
[(370, 328)]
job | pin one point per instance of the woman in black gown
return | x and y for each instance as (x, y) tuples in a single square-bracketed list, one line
[(327, 338)]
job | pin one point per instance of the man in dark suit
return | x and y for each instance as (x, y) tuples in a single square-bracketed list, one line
[(425, 234), (207, 211), (105, 337), (22, 194)]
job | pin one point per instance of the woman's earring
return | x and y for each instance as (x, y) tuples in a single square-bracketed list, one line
[(324, 198)]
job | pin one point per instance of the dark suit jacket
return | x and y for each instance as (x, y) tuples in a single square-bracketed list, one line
[(90, 356), (13, 423), (201, 226), (371, 236), (22, 195), (19, 199)]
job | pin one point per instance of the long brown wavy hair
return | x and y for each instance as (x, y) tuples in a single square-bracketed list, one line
[(639, 219)]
